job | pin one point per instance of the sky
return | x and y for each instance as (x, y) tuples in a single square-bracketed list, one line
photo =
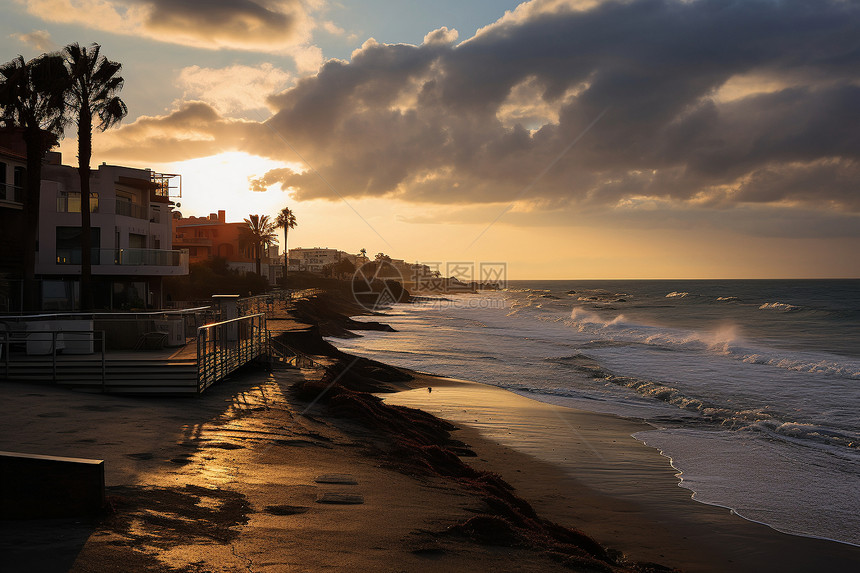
[(565, 139)]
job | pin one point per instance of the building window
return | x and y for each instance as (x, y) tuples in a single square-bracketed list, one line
[(70, 202), (4, 194), (136, 241), (69, 245), (14, 192)]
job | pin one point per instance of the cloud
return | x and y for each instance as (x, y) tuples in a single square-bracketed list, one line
[(708, 104), (441, 36), (234, 88), (332, 28), (685, 119), (194, 130), (258, 25), (39, 40)]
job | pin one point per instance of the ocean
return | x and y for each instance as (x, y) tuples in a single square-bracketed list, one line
[(752, 386)]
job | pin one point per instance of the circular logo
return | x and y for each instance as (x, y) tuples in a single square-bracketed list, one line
[(377, 285)]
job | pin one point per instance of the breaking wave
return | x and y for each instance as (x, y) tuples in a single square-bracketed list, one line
[(779, 306), (758, 420), (725, 341)]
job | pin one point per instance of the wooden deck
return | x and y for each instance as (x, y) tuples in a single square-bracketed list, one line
[(188, 369), (217, 350)]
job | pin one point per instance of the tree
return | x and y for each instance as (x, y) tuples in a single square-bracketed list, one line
[(31, 98), (286, 220), (258, 233), (343, 267), (94, 83)]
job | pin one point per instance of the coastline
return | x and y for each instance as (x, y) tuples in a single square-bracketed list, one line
[(255, 445), (621, 492)]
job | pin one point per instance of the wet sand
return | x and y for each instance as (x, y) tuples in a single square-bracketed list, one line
[(584, 469), (239, 478)]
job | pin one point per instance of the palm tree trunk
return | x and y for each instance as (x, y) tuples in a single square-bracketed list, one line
[(286, 255), (32, 196), (85, 151), (259, 252)]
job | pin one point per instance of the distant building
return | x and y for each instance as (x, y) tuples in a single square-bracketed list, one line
[(315, 259), (208, 237)]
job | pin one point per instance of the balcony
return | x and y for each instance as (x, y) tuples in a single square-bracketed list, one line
[(129, 209), (124, 257), (186, 242), (153, 257)]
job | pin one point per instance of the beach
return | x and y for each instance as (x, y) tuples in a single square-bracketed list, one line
[(255, 475)]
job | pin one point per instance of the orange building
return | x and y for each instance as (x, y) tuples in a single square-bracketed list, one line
[(212, 236)]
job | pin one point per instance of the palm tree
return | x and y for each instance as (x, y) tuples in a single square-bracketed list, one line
[(94, 85), (31, 98), (258, 233), (286, 220)]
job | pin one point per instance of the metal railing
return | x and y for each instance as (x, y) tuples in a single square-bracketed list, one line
[(154, 257), (129, 209), (125, 257), (274, 303), (291, 356), (43, 342), (225, 346)]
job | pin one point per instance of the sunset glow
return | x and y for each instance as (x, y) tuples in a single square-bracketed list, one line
[(516, 123)]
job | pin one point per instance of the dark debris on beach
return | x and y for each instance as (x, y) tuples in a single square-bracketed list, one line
[(419, 444)]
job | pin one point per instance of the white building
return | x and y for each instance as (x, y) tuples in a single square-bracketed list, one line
[(131, 218), (315, 259)]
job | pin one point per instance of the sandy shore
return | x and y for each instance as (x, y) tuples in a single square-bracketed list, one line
[(241, 479), (619, 491), (237, 479)]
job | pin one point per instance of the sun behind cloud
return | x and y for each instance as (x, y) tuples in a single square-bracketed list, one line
[(222, 182)]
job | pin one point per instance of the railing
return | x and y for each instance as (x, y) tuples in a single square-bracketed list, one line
[(291, 356), (73, 256), (192, 242), (130, 209), (225, 346), (11, 193), (192, 317), (126, 257), (155, 257), (274, 303), (35, 342)]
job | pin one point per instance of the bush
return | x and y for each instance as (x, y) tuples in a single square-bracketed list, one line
[(213, 277)]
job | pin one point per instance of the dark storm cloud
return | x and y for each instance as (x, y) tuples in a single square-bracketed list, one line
[(259, 25), (227, 21), (196, 129), (426, 123), (707, 102)]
